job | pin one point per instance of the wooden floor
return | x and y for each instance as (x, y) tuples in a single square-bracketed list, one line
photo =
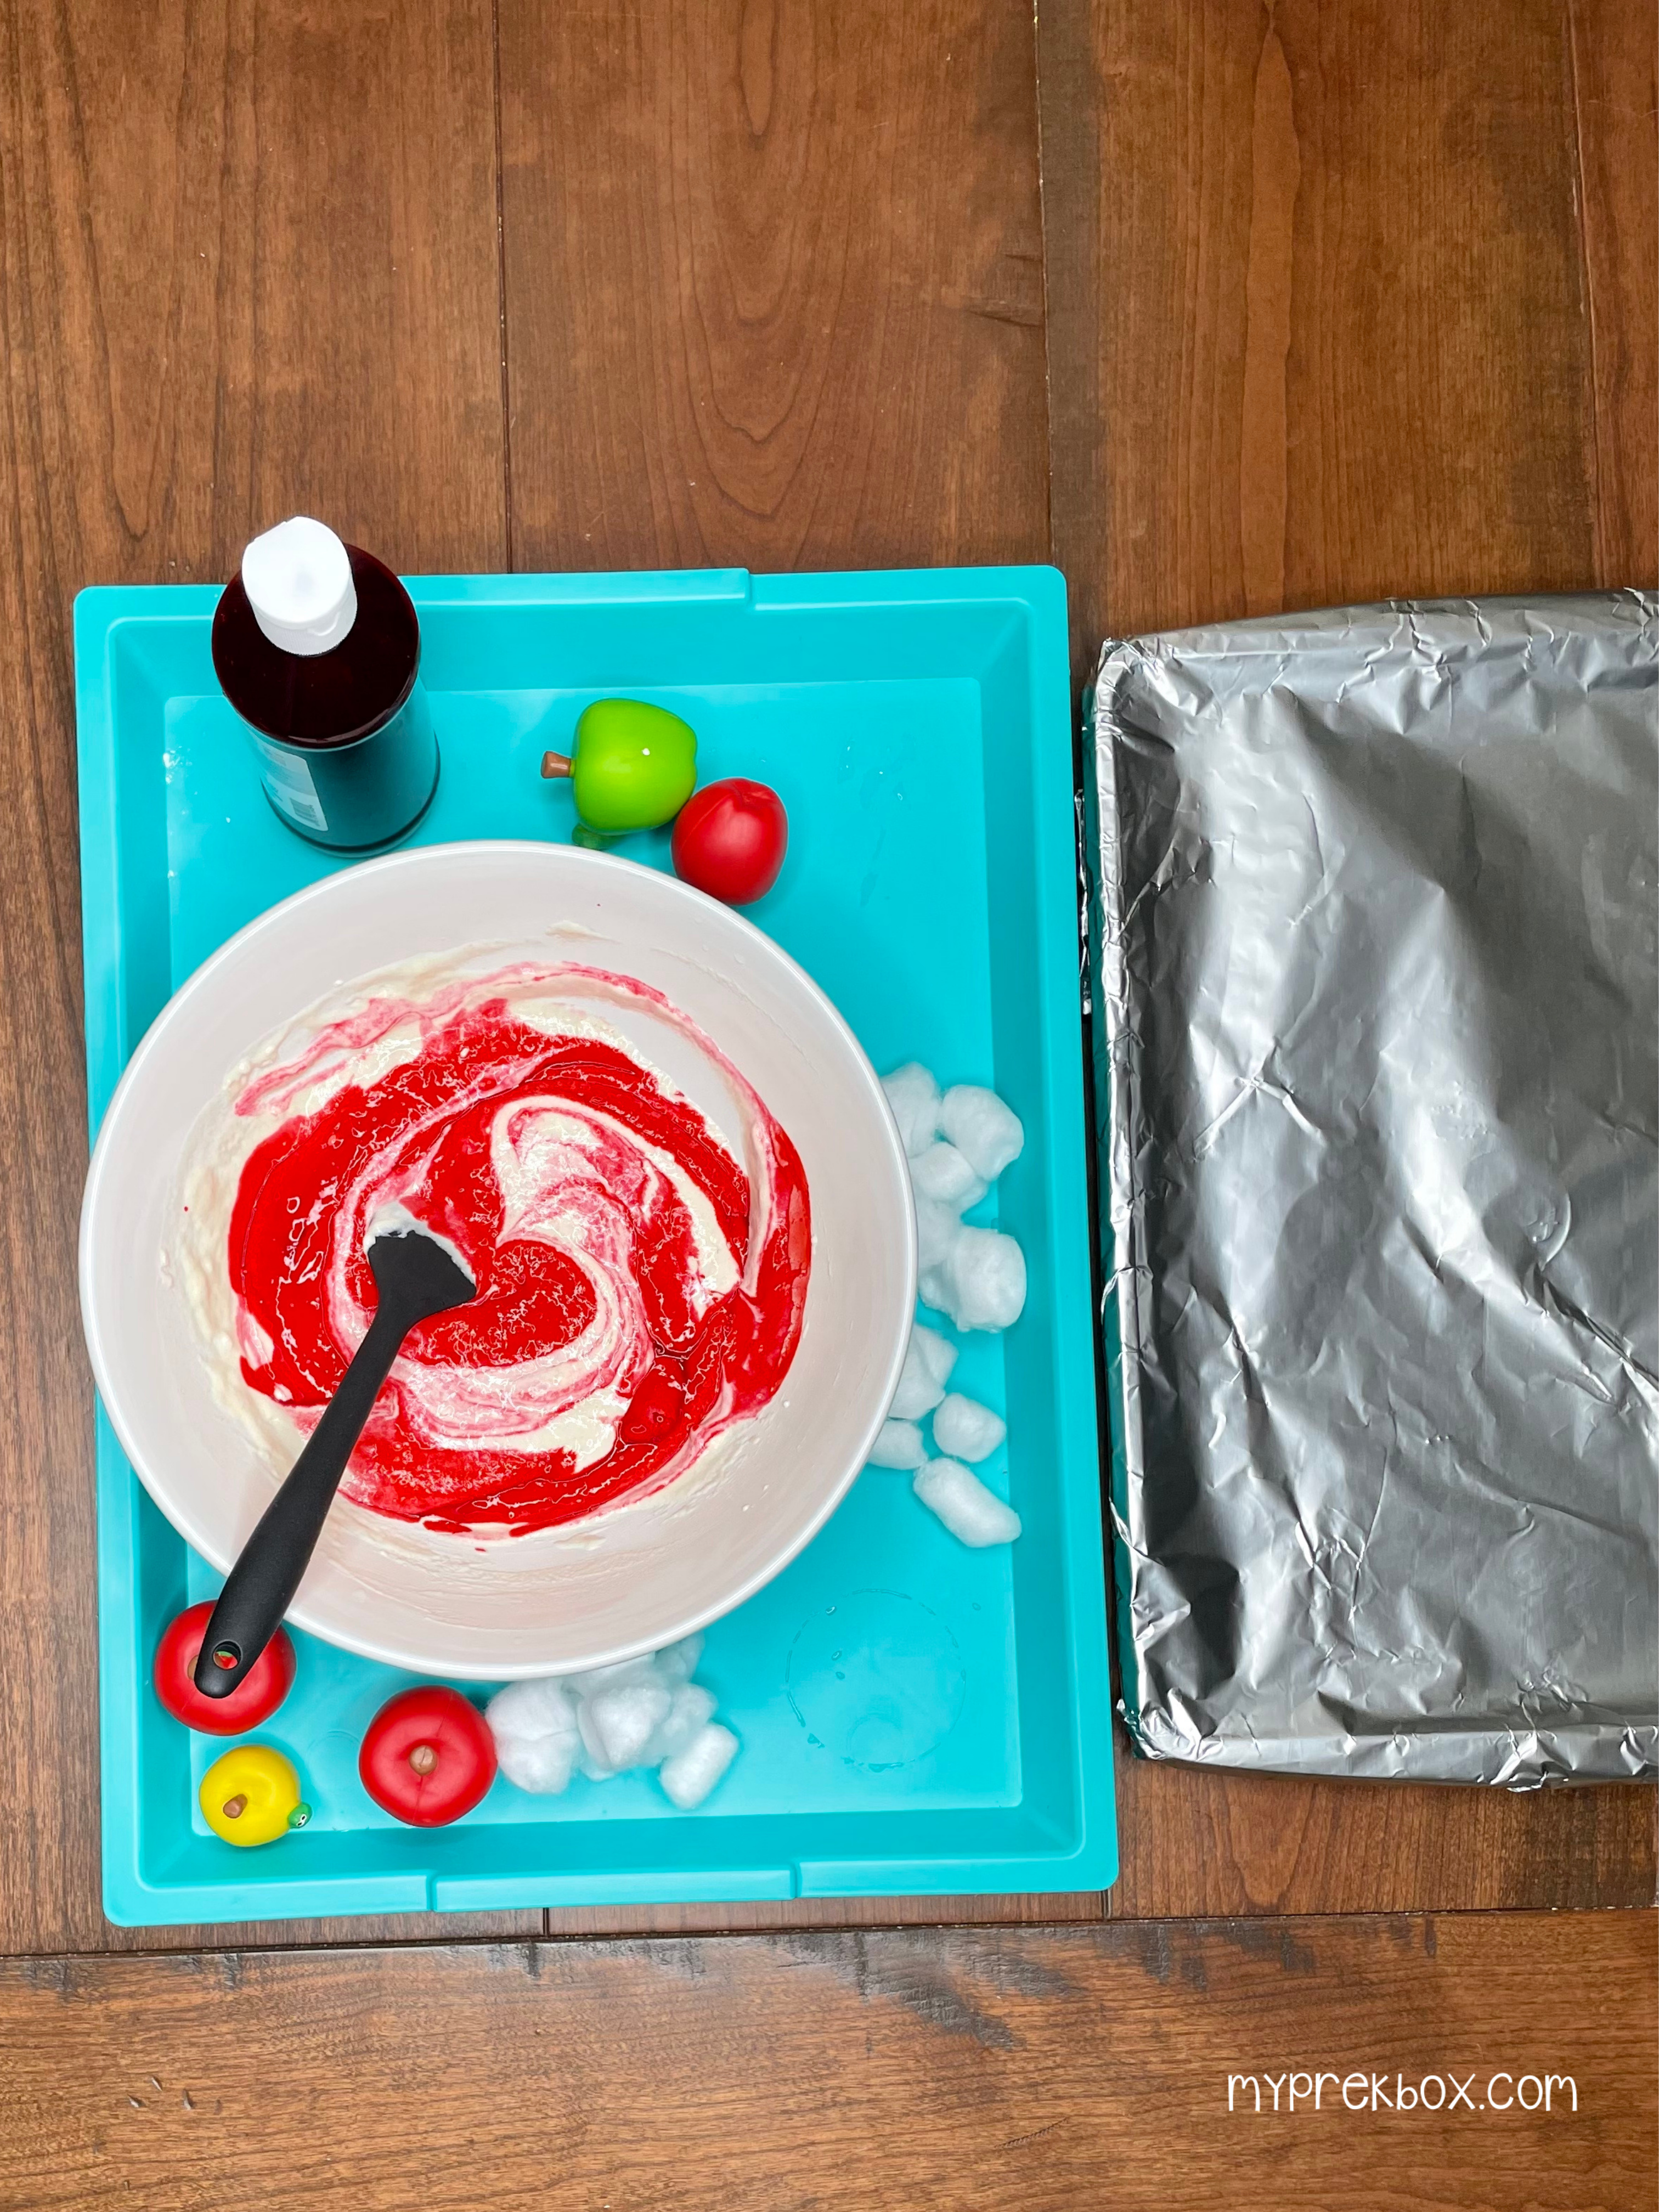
[(961, 2069), (1224, 307)]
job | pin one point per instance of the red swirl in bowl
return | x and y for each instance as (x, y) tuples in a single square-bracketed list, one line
[(640, 1288)]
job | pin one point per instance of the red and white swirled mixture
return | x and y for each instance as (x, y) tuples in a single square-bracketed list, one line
[(641, 1288)]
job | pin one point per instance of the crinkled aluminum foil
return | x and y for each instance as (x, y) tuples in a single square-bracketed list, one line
[(1373, 937)]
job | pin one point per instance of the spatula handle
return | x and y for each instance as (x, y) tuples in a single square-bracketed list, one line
[(260, 1586)]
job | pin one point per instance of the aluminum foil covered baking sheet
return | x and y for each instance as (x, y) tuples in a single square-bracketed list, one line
[(1373, 943)]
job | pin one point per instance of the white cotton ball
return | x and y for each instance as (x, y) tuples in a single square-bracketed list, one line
[(691, 1712), (981, 1282), (617, 1723), (525, 1709), (989, 1134), (642, 1669), (963, 1429), (542, 1764), (937, 1354), (679, 1662), (972, 1513), (916, 1393), (689, 1776), (594, 1770), (914, 1098), (938, 1228), (943, 1174), (534, 1726), (927, 1364), (898, 1443)]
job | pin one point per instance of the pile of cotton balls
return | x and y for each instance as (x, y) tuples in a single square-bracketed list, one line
[(641, 1712), (957, 1143)]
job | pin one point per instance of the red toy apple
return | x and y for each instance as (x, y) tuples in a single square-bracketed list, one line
[(255, 1698), (429, 1756), (730, 839)]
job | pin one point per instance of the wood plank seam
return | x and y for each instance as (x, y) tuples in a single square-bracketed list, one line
[(1586, 289), (500, 291), (1281, 1927)]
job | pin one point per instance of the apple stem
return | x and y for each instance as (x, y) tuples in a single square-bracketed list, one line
[(423, 1758), (234, 1807), (557, 764)]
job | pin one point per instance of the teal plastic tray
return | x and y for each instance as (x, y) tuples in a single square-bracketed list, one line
[(915, 1717)]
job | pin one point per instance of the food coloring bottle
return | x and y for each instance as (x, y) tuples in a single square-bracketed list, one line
[(319, 650)]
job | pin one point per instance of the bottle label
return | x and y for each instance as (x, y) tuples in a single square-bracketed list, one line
[(287, 779)]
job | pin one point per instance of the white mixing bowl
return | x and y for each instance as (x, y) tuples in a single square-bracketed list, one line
[(627, 1580)]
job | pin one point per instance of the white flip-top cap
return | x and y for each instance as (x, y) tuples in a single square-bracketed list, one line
[(298, 581)]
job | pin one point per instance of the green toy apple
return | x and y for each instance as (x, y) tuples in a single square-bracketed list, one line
[(634, 766)]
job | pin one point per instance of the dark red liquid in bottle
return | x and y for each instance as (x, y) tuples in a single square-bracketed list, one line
[(348, 757), (322, 698)]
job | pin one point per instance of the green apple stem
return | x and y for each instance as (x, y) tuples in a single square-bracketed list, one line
[(557, 764)]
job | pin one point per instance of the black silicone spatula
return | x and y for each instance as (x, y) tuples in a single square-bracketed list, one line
[(416, 1276)]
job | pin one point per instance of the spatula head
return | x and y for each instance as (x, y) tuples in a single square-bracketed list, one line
[(417, 1273)]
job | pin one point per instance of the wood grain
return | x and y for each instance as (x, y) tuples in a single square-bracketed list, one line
[(247, 264), (1203, 1841), (1029, 2067), (1613, 54), (774, 282), (1326, 322), (1349, 301)]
